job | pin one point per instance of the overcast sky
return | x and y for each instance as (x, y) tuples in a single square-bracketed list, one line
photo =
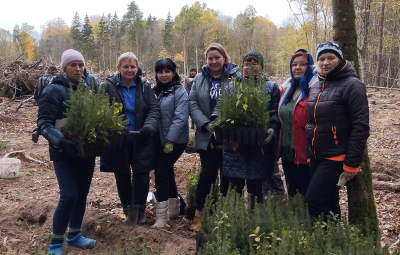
[(38, 12)]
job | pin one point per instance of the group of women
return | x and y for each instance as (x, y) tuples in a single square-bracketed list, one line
[(319, 127)]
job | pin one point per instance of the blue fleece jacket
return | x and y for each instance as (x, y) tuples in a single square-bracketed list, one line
[(129, 96)]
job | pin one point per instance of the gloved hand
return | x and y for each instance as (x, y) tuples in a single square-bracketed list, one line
[(125, 130), (146, 131), (168, 148), (270, 133), (69, 146)]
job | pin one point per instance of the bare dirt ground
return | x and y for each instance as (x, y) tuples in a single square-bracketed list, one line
[(27, 202)]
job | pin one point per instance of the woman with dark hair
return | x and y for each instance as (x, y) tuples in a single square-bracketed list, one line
[(74, 175), (205, 92), (292, 112), (174, 136), (338, 129)]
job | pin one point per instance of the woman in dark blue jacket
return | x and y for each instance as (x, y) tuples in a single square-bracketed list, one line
[(248, 163), (174, 136), (74, 175), (141, 109)]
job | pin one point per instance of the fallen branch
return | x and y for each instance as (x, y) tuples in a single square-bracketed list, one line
[(19, 56), (23, 103), (376, 87), (23, 154), (390, 186)]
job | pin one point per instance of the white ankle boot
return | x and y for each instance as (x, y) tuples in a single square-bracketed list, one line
[(161, 214), (174, 207)]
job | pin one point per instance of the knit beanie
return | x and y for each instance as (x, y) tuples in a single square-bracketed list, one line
[(333, 47), (255, 54), (71, 55), (193, 69)]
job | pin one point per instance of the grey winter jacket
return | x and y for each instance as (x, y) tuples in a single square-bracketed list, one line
[(199, 101), (174, 107)]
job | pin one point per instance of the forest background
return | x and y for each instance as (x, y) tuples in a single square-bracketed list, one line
[(102, 38)]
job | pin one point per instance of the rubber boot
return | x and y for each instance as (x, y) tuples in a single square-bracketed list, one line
[(173, 207), (81, 242), (142, 215), (55, 249), (161, 214)]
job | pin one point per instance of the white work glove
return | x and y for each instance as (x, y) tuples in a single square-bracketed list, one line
[(271, 134)]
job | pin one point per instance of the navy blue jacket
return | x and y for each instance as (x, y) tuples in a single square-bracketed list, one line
[(251, 162), (52, 108)]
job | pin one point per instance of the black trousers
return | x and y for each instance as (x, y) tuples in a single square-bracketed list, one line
[(322, 195), (254, 187), (164, 172), (297, 177), (124, 184), (211, 161)]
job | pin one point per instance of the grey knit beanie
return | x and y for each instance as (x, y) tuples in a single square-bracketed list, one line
[(332, 47), (255, 54), (71, 55)]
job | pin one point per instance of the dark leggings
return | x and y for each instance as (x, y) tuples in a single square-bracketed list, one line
[(124, 187), (297, 177), (254, 187), (211, 161), (322, 195), (165, 174), (74, 177), (124, 184)]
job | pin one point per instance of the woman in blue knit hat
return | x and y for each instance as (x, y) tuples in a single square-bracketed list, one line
[(74, 174), (338, 129), (292, 113)]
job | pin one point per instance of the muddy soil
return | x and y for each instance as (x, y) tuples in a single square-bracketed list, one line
[(27, 203)]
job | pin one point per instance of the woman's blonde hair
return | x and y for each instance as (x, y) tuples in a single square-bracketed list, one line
[(125, 56), (220, 49)]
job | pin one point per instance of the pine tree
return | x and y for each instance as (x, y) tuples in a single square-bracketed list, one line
[(87, 37), (76, 32), (103, 37), (133, 25), (167, 34)]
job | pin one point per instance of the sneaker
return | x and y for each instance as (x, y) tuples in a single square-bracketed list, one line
[(55, 249), (81, 242)]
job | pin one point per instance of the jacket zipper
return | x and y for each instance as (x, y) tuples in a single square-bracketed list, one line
[(315, 112), (334, 134)]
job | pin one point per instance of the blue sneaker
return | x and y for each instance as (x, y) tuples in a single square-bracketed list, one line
[(55, 249), (81, 242)]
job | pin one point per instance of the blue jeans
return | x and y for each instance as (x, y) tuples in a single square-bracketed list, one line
[(74, 177)]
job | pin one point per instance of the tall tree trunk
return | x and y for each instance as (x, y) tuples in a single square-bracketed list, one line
[(361, 203), (379, 60)]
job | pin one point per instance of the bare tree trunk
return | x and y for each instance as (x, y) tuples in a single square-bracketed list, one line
[(379, 60), (361, 203)]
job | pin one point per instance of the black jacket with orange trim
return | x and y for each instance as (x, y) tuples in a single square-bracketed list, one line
[(338, 116)]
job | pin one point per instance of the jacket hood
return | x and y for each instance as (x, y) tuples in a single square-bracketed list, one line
[(60, 80), (233, 68)]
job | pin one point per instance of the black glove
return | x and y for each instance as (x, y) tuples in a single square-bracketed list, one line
[(146, 131), (125, 130), (69, 147)]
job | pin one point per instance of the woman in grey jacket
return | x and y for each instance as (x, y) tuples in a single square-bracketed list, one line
[(206, 90), (174, 136)]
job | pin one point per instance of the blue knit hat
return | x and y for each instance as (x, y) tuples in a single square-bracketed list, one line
[(333, 47)]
